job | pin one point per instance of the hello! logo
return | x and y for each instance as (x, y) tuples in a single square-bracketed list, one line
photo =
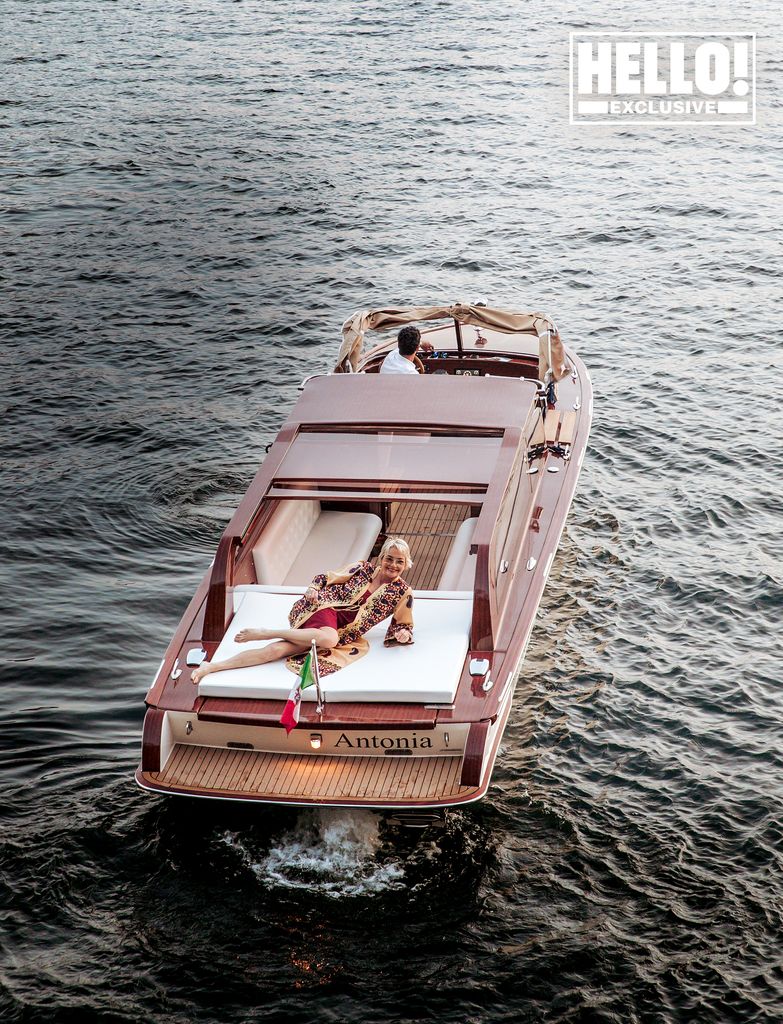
[(663, 78)]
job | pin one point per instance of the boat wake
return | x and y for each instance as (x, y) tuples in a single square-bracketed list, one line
[(333, 851)]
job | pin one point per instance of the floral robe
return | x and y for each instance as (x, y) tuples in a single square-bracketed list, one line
[(342, 589)]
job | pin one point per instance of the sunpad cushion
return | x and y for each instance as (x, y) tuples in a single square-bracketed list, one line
[(426, 672)]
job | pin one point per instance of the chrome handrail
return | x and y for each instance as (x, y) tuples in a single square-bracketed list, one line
[(312, 376)]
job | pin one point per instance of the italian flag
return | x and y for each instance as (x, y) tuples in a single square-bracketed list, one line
[(307, 677)]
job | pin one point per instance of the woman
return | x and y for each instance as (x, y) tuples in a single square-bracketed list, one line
[(337, 609)]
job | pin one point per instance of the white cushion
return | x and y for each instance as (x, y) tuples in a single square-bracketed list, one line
[(282, 539), (426, 672), (300, 540), (459, 572), (336, 539)]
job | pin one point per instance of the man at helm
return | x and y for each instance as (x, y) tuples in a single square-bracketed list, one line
[(401, 361)]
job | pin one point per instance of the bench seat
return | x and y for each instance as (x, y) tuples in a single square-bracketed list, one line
[(301, 540)]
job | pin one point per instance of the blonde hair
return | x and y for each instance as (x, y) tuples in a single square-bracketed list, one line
[(401, 545)]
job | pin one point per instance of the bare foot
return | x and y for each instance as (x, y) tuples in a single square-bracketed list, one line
[(198, 673), (245, 635)]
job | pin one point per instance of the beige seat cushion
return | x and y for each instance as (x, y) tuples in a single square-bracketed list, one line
[(459, 572), (300, 540), (336, 539), (282, 539)]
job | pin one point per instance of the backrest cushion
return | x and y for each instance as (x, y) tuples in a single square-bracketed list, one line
[(459, 572), (282, 539)]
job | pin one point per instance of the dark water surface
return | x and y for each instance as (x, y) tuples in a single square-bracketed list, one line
[(193, 196)]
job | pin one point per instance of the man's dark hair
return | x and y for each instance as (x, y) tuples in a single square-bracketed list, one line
[(408, 340)]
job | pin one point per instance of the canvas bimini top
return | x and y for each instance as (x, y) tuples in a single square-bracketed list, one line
[(551, 357)]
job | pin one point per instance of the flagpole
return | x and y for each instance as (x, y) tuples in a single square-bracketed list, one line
[(319, 706)]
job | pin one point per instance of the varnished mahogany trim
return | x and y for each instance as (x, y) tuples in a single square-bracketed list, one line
[(243, 711), (481, 624), (217, 613), (482, 629), (150, 740), (473, 757), (163, 683), (502, 364), (430, 429), (454, 497)]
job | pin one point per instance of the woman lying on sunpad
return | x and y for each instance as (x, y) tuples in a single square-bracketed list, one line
[(338, 608)]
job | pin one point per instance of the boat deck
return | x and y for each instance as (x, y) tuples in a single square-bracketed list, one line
[(311, 778), (429, 530)]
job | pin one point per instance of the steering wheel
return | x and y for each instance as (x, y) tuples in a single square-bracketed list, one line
[(418, 364)]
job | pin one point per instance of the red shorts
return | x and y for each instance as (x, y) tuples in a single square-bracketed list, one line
[(337, 618), (324, 617)]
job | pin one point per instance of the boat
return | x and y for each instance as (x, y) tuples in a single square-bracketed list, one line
[(478, 478)]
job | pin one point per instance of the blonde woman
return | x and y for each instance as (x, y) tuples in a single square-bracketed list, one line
[(337, 609)]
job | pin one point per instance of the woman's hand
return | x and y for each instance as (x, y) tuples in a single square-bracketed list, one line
[(311, 593), (403, 636)]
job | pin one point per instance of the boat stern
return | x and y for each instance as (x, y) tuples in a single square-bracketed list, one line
[(342, 765)]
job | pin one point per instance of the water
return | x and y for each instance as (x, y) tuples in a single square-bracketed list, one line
[(194, 196)]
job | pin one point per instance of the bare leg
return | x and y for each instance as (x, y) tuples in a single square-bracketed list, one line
[(325, 637), (272, 652)]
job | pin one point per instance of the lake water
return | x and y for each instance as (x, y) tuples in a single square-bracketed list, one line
[(195, 194)]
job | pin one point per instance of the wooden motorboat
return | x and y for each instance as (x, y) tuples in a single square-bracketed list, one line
[(478, 477)]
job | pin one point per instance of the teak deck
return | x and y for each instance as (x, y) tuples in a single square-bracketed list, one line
[(260, 775), (429, 531)]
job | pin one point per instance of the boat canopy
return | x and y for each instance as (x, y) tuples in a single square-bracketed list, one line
[(551, 358)]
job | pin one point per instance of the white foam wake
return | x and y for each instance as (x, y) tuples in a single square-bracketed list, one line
[(333, 851)]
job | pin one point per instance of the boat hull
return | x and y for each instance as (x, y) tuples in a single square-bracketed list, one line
[(392, 756)]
